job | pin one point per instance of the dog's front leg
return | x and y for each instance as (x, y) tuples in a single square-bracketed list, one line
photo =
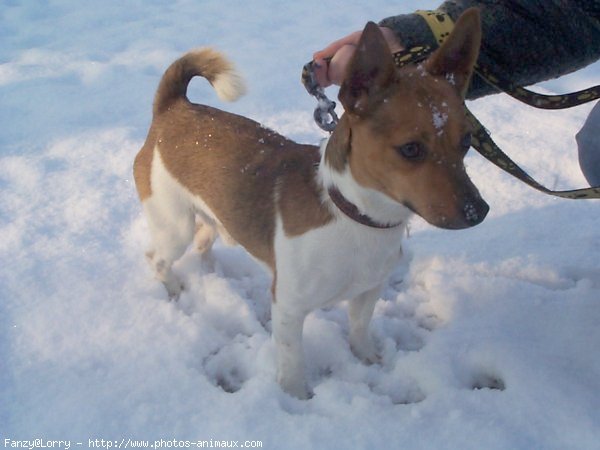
[(287, 332), (360, 311)]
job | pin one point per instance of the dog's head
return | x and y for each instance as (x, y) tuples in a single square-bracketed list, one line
[(405, 132)]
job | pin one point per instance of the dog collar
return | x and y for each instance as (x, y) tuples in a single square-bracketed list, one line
[(351, 210)]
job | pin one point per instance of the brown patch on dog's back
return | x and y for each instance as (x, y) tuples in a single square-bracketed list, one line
[(238, 168)]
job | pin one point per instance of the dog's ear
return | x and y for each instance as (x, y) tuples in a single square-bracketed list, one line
[(457, 56), (369, 72)]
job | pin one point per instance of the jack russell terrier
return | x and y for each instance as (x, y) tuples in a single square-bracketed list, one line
[(327, 221)]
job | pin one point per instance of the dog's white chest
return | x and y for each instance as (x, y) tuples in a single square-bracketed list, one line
[(336, 262)]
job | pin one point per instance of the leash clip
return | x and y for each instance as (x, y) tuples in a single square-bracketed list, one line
[(324, 113)]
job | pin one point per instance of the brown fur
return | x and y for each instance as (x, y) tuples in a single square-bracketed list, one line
[(434, 188), (249, 175), (142, 167), (385, 112), (174, 83), (338, 147), (252, 165)]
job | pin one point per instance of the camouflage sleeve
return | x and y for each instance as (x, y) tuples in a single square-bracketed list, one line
[(526, 41)]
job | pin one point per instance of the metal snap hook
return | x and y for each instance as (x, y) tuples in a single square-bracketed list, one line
[(324, 114)]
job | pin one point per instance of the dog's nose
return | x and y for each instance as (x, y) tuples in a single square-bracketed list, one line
[(475, 211)]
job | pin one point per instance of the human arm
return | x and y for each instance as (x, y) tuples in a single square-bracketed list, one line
[(526, 41)]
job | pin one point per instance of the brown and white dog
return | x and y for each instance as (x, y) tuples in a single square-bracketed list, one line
[(328, 222)]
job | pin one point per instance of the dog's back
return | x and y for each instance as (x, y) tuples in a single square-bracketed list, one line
[(197, 144)]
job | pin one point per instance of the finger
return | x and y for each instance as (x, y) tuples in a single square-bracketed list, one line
[(339, 63), (332, 48), (321, 68)]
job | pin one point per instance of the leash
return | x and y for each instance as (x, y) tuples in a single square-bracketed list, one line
[(324, 113), (441, 25)]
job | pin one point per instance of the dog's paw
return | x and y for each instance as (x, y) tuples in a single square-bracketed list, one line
[(295, 388), (301, 393), (366, 351), (174, 289)]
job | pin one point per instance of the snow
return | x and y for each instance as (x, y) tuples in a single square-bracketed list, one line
[(489, 338), (439, 118)]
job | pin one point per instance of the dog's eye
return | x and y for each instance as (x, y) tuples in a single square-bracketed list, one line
[(413, 151), (465, 143)]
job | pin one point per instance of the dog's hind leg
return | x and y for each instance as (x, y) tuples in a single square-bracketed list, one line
[(171, 226), (205, 236)]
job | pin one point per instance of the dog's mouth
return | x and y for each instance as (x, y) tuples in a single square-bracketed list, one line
[(470, 212)]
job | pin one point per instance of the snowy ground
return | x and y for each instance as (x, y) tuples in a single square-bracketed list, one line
[(489, 341)]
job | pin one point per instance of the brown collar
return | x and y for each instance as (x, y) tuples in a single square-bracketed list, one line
[(352, 211)]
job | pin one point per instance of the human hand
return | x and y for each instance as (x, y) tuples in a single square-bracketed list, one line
[(331, 62)]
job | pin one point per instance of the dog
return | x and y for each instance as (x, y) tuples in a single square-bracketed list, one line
[(326, 220)]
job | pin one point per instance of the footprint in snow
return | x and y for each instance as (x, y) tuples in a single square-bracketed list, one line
[(487, 380), (230, 366)]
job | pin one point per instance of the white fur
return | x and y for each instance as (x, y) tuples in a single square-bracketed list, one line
[(343, 260), (172, 212), (229, 85)]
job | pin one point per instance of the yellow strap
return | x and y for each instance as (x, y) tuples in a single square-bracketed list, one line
[(440, 23)]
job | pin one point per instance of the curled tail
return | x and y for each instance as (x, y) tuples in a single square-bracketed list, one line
[(204, 62)]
